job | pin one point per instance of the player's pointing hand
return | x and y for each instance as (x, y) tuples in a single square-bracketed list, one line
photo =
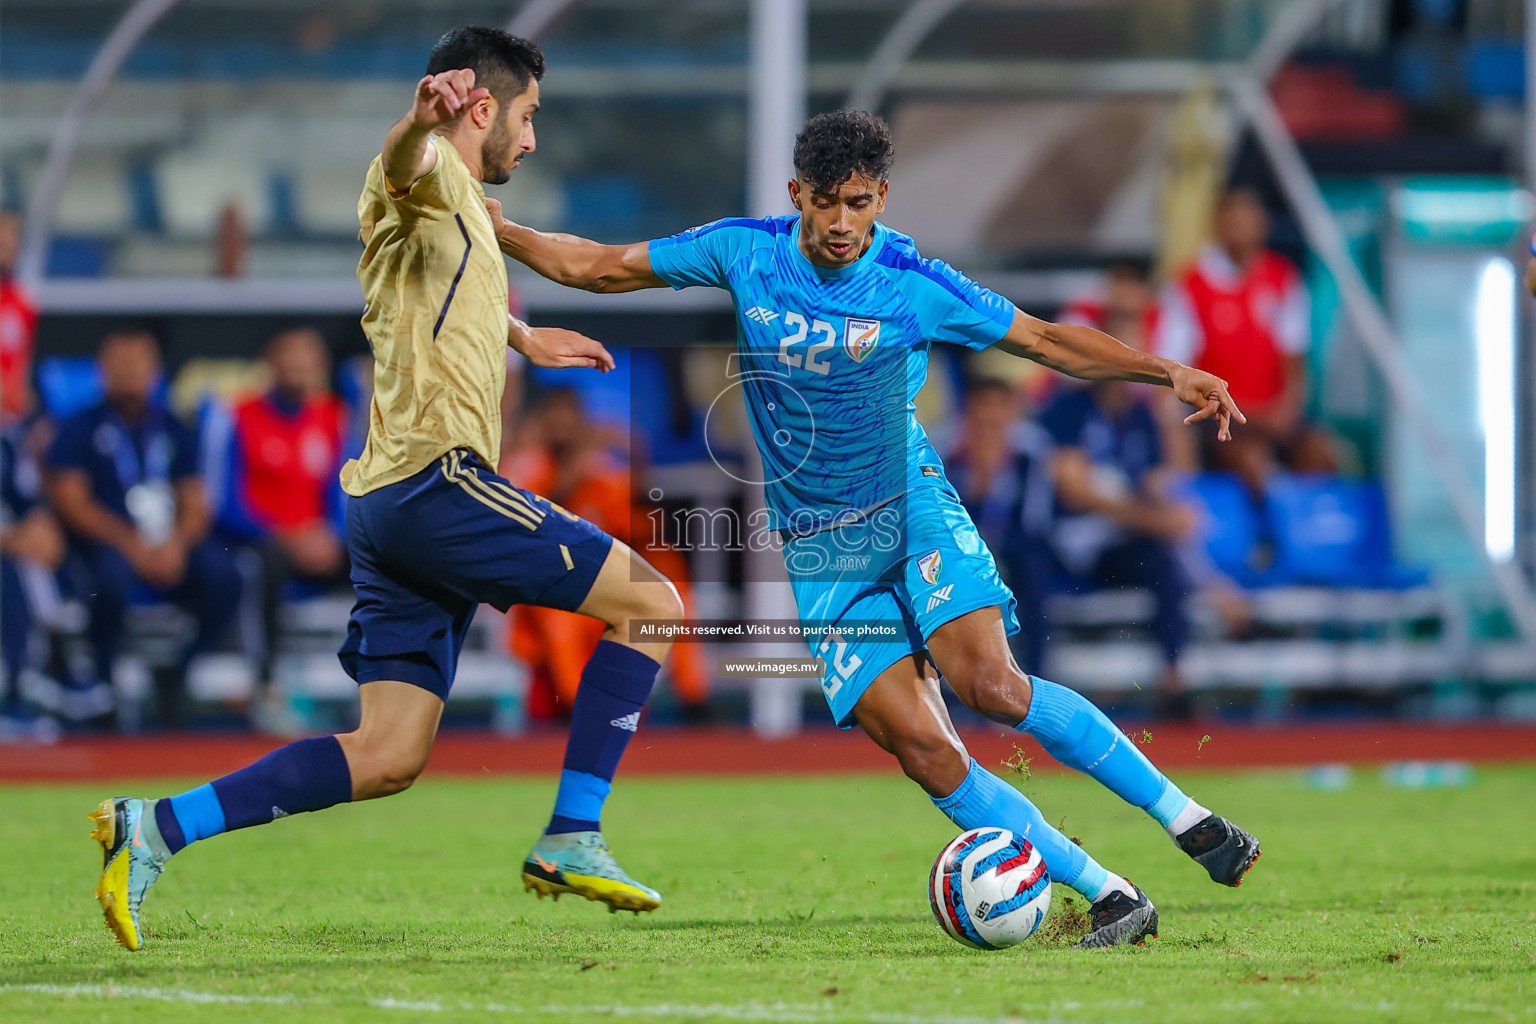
[(1208, 394), (445, 97)]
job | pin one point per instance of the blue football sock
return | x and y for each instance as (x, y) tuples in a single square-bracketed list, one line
[(614, 687), (307, 775), (983, 799), (1078, 735)]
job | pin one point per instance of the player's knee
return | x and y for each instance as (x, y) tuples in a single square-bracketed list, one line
[(386, 771), (661, 602), (995, 688), (932, 759)]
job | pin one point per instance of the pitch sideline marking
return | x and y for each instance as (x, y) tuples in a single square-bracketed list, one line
[(793, 1013)]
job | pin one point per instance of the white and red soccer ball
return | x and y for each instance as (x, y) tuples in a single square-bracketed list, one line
[(989, 889)]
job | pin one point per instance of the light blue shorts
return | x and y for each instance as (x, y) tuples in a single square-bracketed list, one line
[(881, 590)]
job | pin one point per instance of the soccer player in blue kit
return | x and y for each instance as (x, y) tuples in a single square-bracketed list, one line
[(835, 313)]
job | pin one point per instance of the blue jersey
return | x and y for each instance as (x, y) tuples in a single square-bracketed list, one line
[(831, 360)]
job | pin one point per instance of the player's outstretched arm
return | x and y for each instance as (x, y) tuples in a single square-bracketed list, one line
[(576, 262), (1093, 355), (440, 99), (557, 348)]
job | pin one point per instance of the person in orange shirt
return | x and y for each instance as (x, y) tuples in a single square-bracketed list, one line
[(557, 452)]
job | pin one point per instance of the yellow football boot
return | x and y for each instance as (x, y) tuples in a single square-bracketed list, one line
[(580, 862)]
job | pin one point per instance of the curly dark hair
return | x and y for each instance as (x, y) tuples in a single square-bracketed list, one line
[(831, 148), (502, 62)]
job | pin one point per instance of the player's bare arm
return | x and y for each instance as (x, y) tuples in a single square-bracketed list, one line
[(574, 261), (557, 348), (1088, 354), (440, 99)]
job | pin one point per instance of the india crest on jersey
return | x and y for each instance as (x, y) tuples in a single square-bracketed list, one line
[(929, 566), (860, 337)]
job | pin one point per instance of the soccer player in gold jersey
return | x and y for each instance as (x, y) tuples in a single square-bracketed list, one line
[(432, 531)]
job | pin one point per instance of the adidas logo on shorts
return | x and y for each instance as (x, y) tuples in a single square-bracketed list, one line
[(629, 723)]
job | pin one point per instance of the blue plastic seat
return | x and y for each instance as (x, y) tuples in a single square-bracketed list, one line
[(68, 384), (1334, 532), (1230, 526)]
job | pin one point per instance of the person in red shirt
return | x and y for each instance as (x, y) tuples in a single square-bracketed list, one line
[(18, 328), (283, 501), (1242, 312)]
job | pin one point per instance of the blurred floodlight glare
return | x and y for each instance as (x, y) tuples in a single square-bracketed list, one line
[(1495, 327)]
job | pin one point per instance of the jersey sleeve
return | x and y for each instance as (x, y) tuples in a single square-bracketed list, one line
[(441, 188), (951, 307), (184, 441), (71, 447), (701, 256)]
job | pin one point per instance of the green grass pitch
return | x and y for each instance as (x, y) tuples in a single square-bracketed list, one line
[(792, 899)]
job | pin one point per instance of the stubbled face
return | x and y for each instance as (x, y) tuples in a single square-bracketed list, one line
[(1242, 225), (835, 226), (510, 138), (299, 361), (130, 365)]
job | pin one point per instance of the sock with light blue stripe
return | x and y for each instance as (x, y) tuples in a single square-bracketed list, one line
[(1078, 735), (983, 799), (614, 688), (307, 775)]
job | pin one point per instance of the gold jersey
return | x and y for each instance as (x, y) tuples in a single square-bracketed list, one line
[(436, 315)]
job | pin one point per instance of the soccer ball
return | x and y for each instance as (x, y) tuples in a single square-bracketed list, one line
[(989, 889)]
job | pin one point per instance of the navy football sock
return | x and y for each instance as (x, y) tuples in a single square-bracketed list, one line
[(614, 687), (307, 775)]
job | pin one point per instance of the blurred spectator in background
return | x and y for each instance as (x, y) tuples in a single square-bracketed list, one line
[(561, 454), (1242, 312), (1126, 307), (18, 327), (1113, 525), (287, 447), (30, 545), (231, 242), (121, 477), (1001, 466)]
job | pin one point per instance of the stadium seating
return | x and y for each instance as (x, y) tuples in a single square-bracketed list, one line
[(1330, 605)]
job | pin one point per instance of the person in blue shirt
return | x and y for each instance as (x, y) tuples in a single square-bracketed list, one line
[(31, 548), (122, 478), (1113, 526), (835, 316), (1000, 465)]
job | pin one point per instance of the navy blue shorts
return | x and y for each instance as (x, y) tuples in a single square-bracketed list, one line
[(427, 551)]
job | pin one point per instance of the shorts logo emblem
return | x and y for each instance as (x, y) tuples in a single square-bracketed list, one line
[(939, 596), (930, 565)]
